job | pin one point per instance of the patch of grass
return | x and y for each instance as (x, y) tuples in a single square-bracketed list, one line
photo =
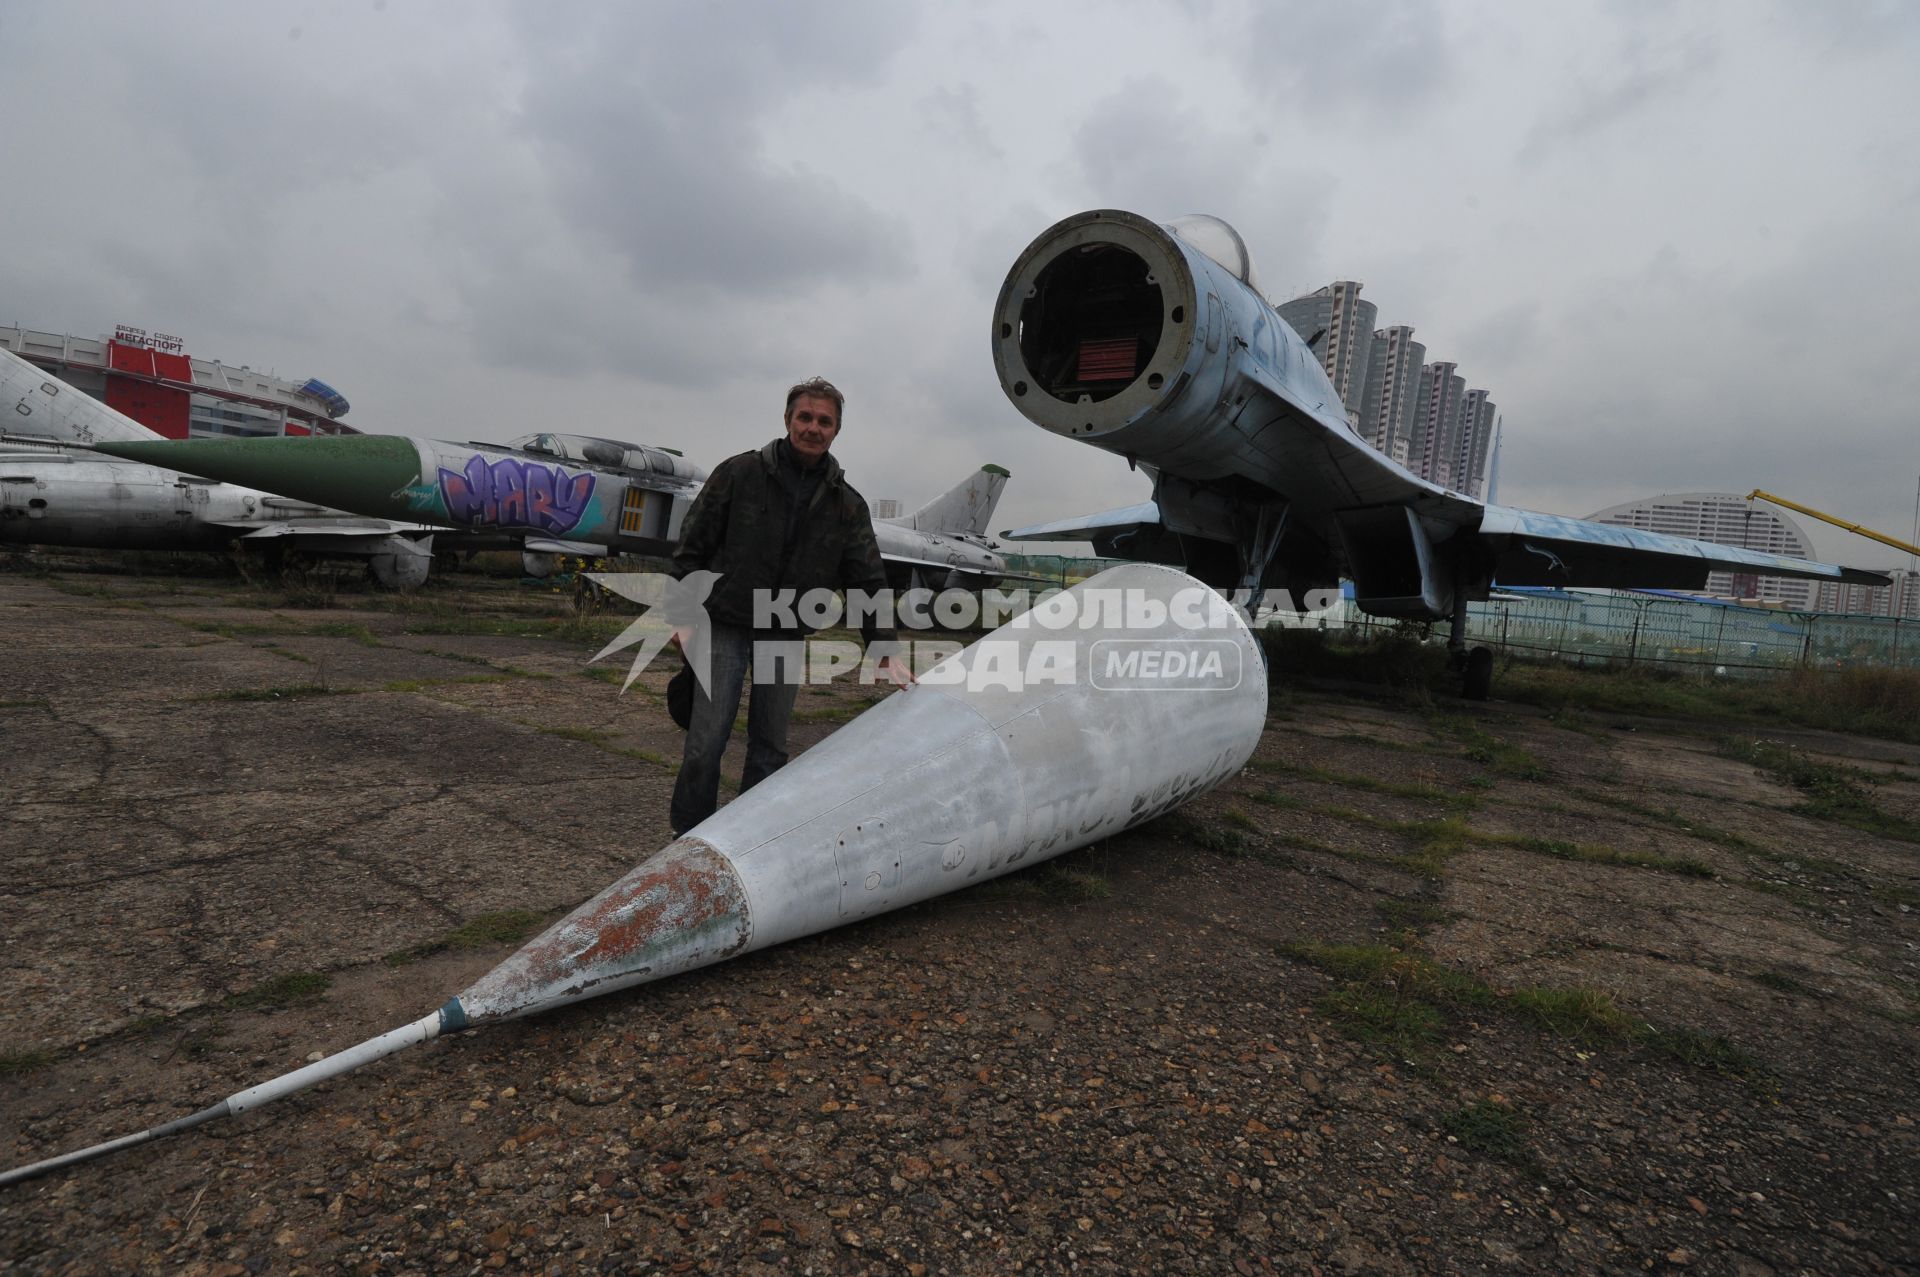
[(1438, 841), (843, 713), (486, 931), (467, 657), (1895, 895), (1832, 793), (83, 590), (295, 989), (290, 692), (1593, 854), (1235, 816), (19, 1063), (1860, 701), (26, 704), (1708, 1051), (1583, 1013), (1411, 915), (1491, 1127), (1419, 791), (1072, 879), (1221, 842), (1404, 971), (1387, 995), (1669, 817), (1396, 996), (1274, 798), (585, 735), (1072, 885), (421, 684), (1483, 747), (601, 740), (347, 630), (1379, 742), (445, 619), (1368, 1014), (1781, 982)]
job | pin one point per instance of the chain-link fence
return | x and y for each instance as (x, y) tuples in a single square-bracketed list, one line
[(1617, 628), (1627, 629)]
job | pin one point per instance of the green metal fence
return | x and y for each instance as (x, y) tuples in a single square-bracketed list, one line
[(1633, 628), (1620, 628)]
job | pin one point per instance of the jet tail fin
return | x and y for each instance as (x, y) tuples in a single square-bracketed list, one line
[(965, 507)]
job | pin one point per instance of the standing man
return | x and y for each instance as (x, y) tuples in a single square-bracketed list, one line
[(783, 518)]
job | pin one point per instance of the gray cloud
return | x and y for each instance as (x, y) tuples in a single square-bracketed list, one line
[(952, 118), (481, 218), (1339, 65), (648, 123), (1643, 81)]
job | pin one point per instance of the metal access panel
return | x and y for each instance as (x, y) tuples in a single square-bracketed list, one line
[(638, 516), (869, 869)]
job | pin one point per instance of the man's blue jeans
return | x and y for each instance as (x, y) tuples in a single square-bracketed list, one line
[(769, 710)]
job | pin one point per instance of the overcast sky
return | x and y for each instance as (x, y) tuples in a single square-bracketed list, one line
[(1679, 243)]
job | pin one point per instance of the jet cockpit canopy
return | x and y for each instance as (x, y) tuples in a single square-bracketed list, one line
[(1221, 242), (611, 454)]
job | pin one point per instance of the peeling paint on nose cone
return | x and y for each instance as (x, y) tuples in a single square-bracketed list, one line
[(973, 773), (682, 909)]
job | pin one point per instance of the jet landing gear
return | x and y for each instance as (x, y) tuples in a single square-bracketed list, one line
[(1474, 665), (1257, 545)]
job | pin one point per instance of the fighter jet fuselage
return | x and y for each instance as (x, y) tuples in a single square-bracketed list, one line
[(1155, 343)]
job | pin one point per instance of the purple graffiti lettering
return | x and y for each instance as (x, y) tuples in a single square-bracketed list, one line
[(539, 496), (466, 495), (573, 492), (507, 492)]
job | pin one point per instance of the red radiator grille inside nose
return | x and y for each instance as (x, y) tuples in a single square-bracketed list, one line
[(1116, 359)]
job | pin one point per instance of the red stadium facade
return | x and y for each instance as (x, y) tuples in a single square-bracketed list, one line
[(151, 378)]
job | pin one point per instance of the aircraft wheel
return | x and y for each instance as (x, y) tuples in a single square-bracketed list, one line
[(1478, 684)]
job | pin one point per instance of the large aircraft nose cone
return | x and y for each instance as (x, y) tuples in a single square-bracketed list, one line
[(1094, 323)]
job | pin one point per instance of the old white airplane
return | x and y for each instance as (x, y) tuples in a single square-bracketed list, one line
[(54, 492)]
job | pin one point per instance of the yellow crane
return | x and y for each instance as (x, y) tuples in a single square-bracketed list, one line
[(1835, 520)]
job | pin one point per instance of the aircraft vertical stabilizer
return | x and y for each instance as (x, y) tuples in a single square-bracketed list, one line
[(46, 407), (965, 507)]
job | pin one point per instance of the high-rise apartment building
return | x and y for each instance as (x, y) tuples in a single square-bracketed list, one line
[(1476, 439), (1725, 518), (1393, 378), (1344, 326), (1434, 447), (1901, 599), (1420, 414)]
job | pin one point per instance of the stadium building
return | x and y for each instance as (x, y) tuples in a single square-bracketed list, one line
[(151, 378), (1726, 518)]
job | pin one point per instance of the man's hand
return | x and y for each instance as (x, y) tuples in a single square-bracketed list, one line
[(680, 635), (897, 670)]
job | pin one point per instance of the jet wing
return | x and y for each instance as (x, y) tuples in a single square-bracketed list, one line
[(1091, 527), (914, 561), (1550, 549), (578, 549), (345, 526)]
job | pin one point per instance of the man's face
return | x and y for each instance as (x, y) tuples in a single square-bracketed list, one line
[(812, 423)]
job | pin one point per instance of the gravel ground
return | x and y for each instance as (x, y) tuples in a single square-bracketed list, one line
[(1154, 1055)]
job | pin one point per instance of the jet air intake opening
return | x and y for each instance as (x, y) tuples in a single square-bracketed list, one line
[(1092, 323)]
